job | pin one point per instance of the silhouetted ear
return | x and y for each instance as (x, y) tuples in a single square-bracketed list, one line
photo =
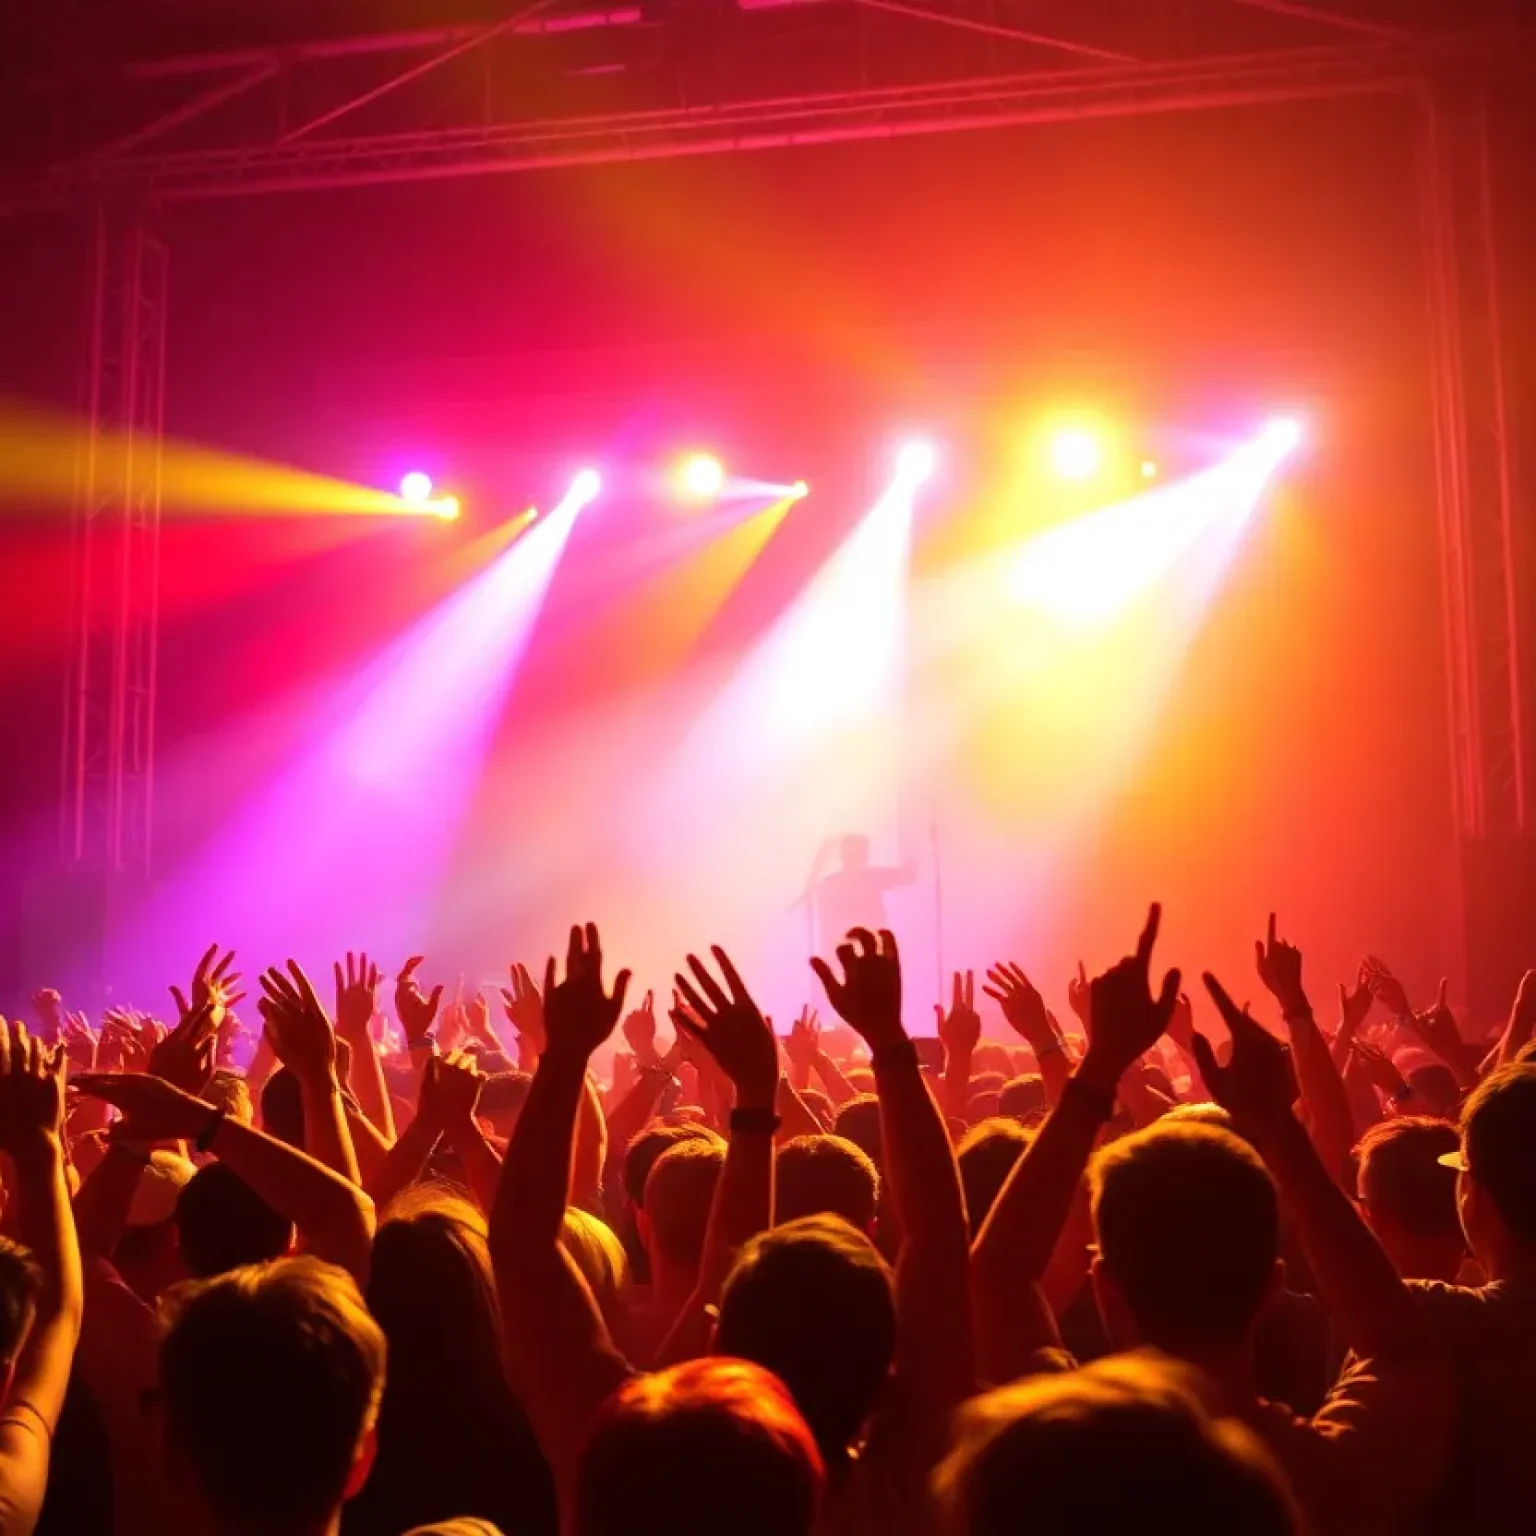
[(362, 1460)]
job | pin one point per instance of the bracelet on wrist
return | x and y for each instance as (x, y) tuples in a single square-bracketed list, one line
[(1101, 1103), (426, 1042)]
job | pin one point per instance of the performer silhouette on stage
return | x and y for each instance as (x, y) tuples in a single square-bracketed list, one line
[(852, 895)]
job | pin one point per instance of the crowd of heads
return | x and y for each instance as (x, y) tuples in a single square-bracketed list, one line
[(380, 1271)]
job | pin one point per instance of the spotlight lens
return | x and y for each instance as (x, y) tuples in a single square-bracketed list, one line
[(1075, 453), (416, 487), (917, 461), (1148, 470), (701, 476), (1285, 434), (586, 485), (800, 490), (447, 508)]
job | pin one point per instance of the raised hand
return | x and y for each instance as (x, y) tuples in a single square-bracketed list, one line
[(640, 1031), (1279, 966), (868, 997), (1379, 1069), (357, 993), (1022, 1005), (185, 1058), (301, 1034), (1181, 1023), (959, 1030), (415, 1009), (1125, 1018), (127, 1039), (80, 1043), (728, 1024), (804, 1043), (477, 1021), (214, 986), (152, 1109), (578, 1014), (31, 1093), (1438, 1029), (1385, 987), (49, 1007), (524, 1007), (1355, 1006), (1258, 1085), (1079, 995), (450, 1090)]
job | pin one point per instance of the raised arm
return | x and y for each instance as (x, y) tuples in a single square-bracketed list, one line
[(1322, 1086), (934, 1350), (305, 1043), (1522, 1018), (1014, 1247), (560, 1355), (959, 1032), (333, 1215), (357, 993), (1030, 1019), (728, 1024), (456, 1083), (32, 1132), (1361, 1289)]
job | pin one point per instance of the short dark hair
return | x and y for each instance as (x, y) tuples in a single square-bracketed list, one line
[(819, 1174), (1188, 1227), (1124, 1444), (710, 1445), (21, 1282), (501, 1099), (1023, 1097), (1400, 1174), (986, 1156), (223, 1224), (811, 1300), (1498, 1133), (678, 1195), (648, 1145), (858, 1120), (271, 1375)]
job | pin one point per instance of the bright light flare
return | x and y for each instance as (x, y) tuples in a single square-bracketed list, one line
[(799, 491), (916, 461), (1077, 453), (445, 507), (585, 488), (416, 488), (699, 477), (1284, 434)]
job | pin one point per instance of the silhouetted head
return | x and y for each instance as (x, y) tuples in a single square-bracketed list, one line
[(1496, 1190), (270, 1378), (712, 1445), (986, 1157), (1409, 1196), (224, 1224), (854, 850), (826, 1175), (1124, 1444), (1188, 1228), (811, 1301)]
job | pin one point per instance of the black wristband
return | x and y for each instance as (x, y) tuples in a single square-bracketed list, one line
[(1103, 1105), (899, 1053), (205, 1136), (427, 1041), (754, 1122)]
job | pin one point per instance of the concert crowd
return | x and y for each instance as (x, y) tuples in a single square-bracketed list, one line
[(371, 1258)]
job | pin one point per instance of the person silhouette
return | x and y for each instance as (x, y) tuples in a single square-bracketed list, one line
[(853, 894)]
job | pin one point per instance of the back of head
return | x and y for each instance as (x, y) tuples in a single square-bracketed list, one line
[(21, 1281), (986, 1157), (826, 1175), (1023, 1098), (811, 1301), (1188, 1228), (223, 1224), (1122, 1445), (271, 1377), (1402, 1179), (678, 1195), (643, 1151), (858, 1121), (1498, 1142), (712, 1445), (599, 1255), (282, 1108), (501, 1100)]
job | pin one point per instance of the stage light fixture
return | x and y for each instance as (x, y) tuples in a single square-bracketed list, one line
[(700, 477), (416, 487), (916, 461), (585, 487), (1076, 453), (1284, 434), (1148, 470), (447, 508), (799, 491)]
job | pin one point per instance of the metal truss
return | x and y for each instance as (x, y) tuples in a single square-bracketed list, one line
[(109, 716), (1478, 522)]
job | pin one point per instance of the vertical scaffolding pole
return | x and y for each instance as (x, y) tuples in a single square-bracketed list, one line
[(108, 740)]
